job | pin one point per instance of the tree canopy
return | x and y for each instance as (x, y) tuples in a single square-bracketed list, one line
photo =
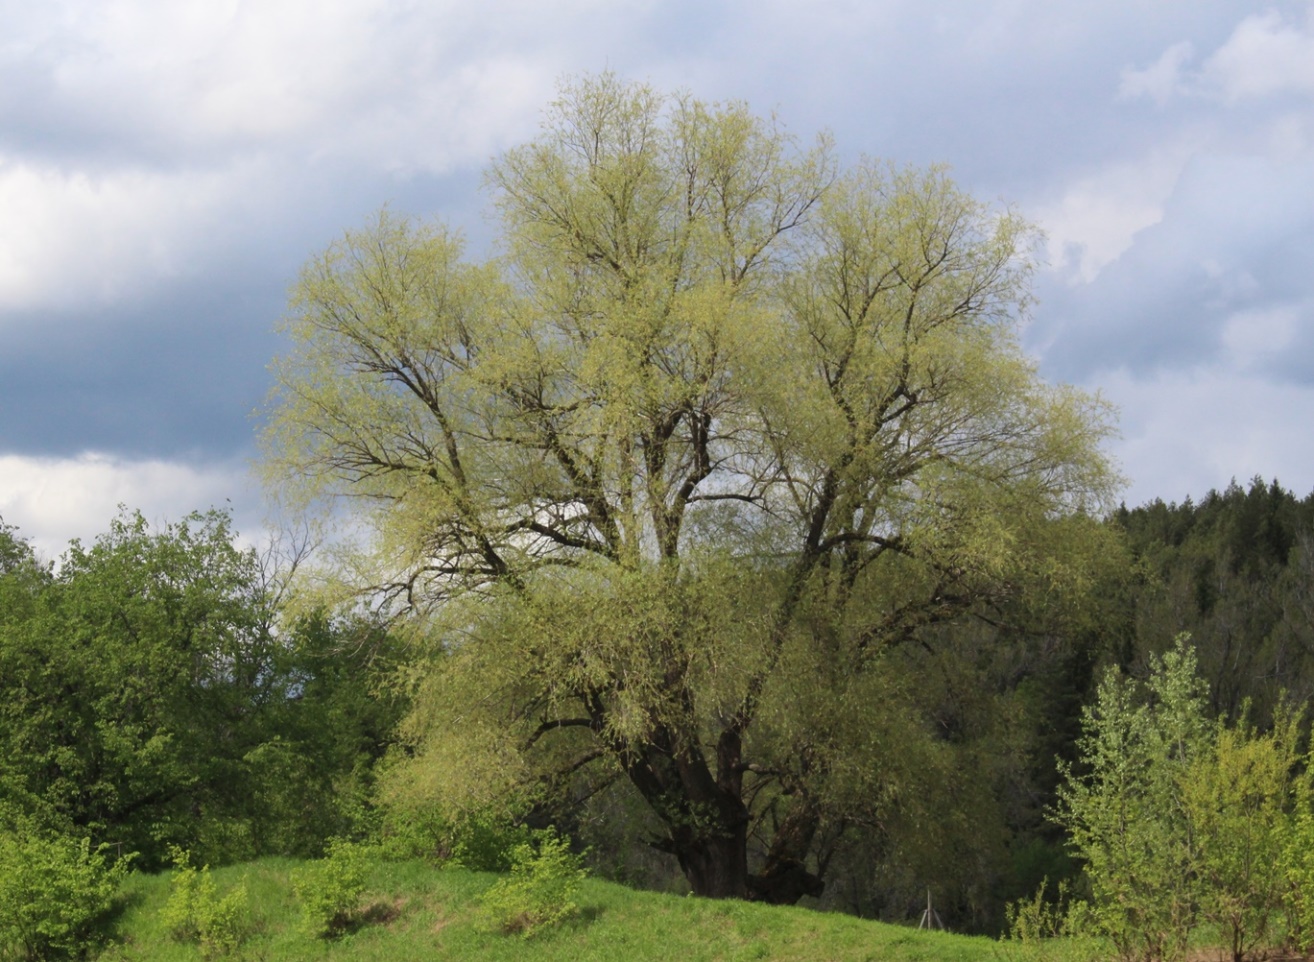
[(148, 698), (668, 479)]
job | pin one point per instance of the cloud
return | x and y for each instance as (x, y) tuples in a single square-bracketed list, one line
[(1265, 56), (1162, 80), (1186, 431), (1197, 250), (1275, 341), (1098, 216), (1235, 240), (54, 500), (91, 238), (424, 85), (139, 143)]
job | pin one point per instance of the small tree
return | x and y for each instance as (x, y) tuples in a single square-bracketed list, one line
[(1181, 820), (1297, 872), (1238, 802), (1126, 816)]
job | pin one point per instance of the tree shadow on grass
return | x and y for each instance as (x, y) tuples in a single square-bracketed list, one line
[(105, 931)]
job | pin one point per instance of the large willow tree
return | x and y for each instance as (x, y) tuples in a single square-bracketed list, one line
[(668, 478)]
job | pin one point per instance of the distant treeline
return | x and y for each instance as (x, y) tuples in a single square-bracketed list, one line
[(1236, 570)]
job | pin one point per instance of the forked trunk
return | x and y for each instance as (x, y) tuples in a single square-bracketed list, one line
[(716, 866), (707, 822)]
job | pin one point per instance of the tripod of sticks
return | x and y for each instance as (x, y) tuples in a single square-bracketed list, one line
[(930, 918)]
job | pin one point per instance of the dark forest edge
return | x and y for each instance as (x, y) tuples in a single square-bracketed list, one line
[(157, 698)]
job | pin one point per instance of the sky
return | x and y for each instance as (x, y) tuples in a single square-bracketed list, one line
[(166, 166)]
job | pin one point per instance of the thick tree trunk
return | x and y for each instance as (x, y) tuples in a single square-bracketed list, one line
[(715, 865), (707, 823), (705, 816)]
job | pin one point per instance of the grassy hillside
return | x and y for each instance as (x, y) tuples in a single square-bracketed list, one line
[(416, 912)]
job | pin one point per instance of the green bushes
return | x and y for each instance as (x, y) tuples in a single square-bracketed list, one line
[(1296, 869), (540, 891), (1183, 822), (197, 913), (54, 892), (330, 890)]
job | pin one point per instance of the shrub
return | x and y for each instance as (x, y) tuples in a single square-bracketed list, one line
[(1126, 817), (330, 889), (1181, 820), (540, 891), (196, 913), (1297, 871), (486, 843), (54, 892), (1238, 800), (1047, 926), (481, 841)]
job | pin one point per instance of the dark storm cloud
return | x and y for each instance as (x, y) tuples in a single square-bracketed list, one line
[(175, 371), (168, 378)]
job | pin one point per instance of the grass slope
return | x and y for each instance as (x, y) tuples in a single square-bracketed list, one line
[(417, 912)]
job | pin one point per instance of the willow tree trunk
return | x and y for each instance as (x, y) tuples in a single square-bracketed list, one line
[(707, 822)]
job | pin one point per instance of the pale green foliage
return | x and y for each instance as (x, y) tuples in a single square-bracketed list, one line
[(330, 890), (540, 890), (1127, 819), (1046, 929), (480, 839), (54, 890), (1238, 802), (1032, 920), (721, 425), (1180, 820), (1296, 866), (196, 912)]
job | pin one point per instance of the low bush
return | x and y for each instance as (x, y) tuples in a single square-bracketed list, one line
[(197, 913), (479, 841), (540, 890), (329, 890), (55, 891)]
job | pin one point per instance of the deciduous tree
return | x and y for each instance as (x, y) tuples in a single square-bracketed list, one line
[(667, 478)]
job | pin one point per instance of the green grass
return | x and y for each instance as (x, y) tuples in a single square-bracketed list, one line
[(414, 911)]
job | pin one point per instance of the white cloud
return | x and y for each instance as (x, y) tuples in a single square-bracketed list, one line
[(1264, 56), (73, 237), (149, 136), (1187, 431), (1162, 80), (53, 500), (1253, 337), (1097, 217), (330, 79)]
